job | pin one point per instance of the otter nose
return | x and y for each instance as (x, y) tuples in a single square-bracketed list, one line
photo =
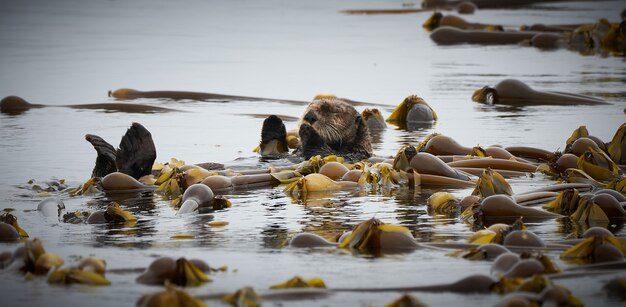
[(310, 117)]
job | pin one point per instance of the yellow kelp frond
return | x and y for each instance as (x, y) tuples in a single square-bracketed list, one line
[(403, 158), (433, 21), (316, 183), (310, 166), (400, 113), (406, 300), (483, 236), (566, 203), (169, 182), (574, 175), (244, 297), (618, 184), (535, 284), (12, 220), (617, 147), (598, 165), (491, 183), (77, 276), (299, 282), (286, 177), (34, 250), (93, 264), (423, 143), (220, 202), (548, 264), (188, 274), (507, 285), (587, 249), (613, 40), (478, 152), (366, 236), (115, 213), (171, 297), (89, 187), (578, 133), (589, 211), (174, 163), (383, 176), (443, 203)]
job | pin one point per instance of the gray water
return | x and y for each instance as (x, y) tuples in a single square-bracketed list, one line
[(73, 52)]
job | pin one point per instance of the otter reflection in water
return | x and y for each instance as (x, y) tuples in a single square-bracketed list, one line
[(329, 126)]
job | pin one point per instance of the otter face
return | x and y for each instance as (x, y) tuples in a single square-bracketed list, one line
[(335, 121), (486, 95)]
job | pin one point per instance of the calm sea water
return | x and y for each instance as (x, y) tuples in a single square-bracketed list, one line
[(73, 52)]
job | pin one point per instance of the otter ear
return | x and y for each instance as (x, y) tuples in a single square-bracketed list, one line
[(358, 120)]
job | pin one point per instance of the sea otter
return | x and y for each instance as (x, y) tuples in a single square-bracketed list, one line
[(134, 157), (329, 126)]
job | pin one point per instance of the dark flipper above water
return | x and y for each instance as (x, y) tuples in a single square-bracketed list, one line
[(273, 138), (134, 157), (105, 162), (137, 152)]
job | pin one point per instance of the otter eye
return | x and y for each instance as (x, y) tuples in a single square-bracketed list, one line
[(357, 119), (310, 117)]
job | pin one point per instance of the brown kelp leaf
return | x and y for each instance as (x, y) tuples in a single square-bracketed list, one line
[(12, 220), (244, 297), (89, 187), (299, 282), (189, 275), (598, 165), (585, 249), (77, 276), (115, 213), (565, 203), (171, 297), (406, 300), (578, 133), (617, 147), (491, 183)]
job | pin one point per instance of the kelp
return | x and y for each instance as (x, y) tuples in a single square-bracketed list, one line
[(588, 211), (585, 250), (491, 183), (402, 160), (115, 213), (399, 115), (566, 202), (77, 276), (598, 165), (406, 300), (170, 297), (617, 146), (383, 176), (299, 282), (316, 183), (579, 132), (443, 203), (244, 297), (366, 236), (89, 187), (170, 182), (10, 219), (37, 261)]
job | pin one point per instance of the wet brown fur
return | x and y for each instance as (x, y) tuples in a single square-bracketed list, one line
[(331, 126)]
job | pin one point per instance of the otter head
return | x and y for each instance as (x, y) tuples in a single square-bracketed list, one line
[(486, 95), (433, 21), (335, 121)]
